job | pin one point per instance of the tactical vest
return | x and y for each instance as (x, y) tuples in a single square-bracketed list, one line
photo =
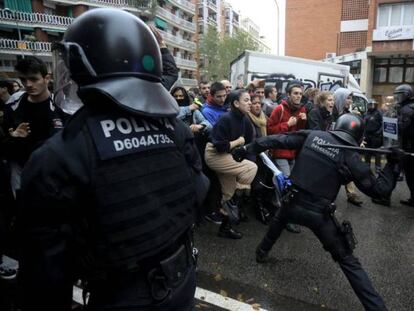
[(317, 169), (142, 196)]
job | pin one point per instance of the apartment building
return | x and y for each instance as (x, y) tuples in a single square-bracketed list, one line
[(227, 20), (249, 26), (374, 37), (28, 27), (231, 20)]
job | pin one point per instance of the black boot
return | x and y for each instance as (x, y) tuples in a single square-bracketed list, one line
[(261, 255), (262, 213), (226, 231)]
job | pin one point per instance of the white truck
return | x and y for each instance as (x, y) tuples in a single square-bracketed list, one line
[(279, 70)]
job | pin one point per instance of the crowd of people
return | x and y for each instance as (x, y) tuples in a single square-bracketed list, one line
[(216, 117)]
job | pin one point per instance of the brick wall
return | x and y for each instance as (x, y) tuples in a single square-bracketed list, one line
[(312, 27), (394, 46), (353, 41), (354, 9)]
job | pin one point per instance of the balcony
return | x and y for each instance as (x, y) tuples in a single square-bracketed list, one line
[(185, 5), (130, 5), (188, 82), (185, 63), (178, 42), (212, 21), (212, 5), (35, 20), (177, 21), (25, 47)]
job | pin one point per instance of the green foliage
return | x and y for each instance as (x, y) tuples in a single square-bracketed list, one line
[(219, 53)]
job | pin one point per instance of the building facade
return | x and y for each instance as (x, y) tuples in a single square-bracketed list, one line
[(28, 27), (374, 37)]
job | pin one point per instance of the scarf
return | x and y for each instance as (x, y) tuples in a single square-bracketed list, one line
[(260, 122)]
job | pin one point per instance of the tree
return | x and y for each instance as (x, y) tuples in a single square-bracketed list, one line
[(209, 51), (219, 53)]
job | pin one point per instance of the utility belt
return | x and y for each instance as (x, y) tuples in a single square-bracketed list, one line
[(157, 276), (345, 229), (327, 208)]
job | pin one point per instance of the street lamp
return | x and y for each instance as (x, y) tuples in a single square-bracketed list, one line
[(12, 14)]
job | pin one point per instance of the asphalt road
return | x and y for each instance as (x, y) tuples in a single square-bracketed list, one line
[(301, 275)]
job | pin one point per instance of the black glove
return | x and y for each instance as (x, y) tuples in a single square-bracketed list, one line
[(396, 155), (239, 153)]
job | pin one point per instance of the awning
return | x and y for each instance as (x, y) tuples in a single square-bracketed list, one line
[(160, 23), (19, 5)]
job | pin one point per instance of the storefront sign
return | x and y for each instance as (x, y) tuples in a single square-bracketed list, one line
[(394, 33), (390, 127)]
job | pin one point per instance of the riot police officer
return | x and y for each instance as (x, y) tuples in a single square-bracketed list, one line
[(317, 177), (110, 199), (404, 97)]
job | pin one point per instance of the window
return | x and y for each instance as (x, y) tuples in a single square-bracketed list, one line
[(395, 70), (380, 75), (395, 15)]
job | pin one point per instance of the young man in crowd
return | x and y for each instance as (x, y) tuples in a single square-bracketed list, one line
[(214, 106), (31, 118)]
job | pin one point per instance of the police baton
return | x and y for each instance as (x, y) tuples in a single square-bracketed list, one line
[(360, 149)]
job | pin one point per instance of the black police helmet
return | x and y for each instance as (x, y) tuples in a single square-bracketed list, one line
[(403, 92), (115, 53), (349, 128)]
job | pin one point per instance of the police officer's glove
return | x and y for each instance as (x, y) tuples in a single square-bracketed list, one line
[(396, 155), (239, 153)]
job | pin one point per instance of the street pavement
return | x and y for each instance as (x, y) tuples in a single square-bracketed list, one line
[(301, 275)]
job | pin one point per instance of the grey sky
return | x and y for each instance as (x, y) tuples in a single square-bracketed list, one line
[(264, 14)]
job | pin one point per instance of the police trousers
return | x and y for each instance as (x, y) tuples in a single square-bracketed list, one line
[(158, 289), (324, 228)]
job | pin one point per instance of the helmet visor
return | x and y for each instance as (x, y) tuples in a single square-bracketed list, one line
[(65, 94)]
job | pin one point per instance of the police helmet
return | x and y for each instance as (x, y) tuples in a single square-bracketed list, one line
[(349, 128), (113, 52), (402, 93)]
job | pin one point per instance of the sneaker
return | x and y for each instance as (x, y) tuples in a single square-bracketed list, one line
[(230, 233), (215, 218), (7, 273), (354, 199), (409, 202), (293, 228), (261, 255)]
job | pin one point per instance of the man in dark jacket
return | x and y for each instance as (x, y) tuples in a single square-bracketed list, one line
[(317, 177), (373, 132), (31, 117), (110, 199)]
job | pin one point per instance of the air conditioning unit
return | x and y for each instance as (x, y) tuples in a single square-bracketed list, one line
[(330, 55)]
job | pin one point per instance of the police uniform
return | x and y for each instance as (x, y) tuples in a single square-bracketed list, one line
[(111, 198), (406, 131), (317, 177)]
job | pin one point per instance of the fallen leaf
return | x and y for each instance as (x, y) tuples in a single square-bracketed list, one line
[(223, 293), (256, 306), (249, 300), (218, 278), (240, 297)]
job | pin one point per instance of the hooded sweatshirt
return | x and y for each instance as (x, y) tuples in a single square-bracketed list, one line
[(340, 97), (187, 115)]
